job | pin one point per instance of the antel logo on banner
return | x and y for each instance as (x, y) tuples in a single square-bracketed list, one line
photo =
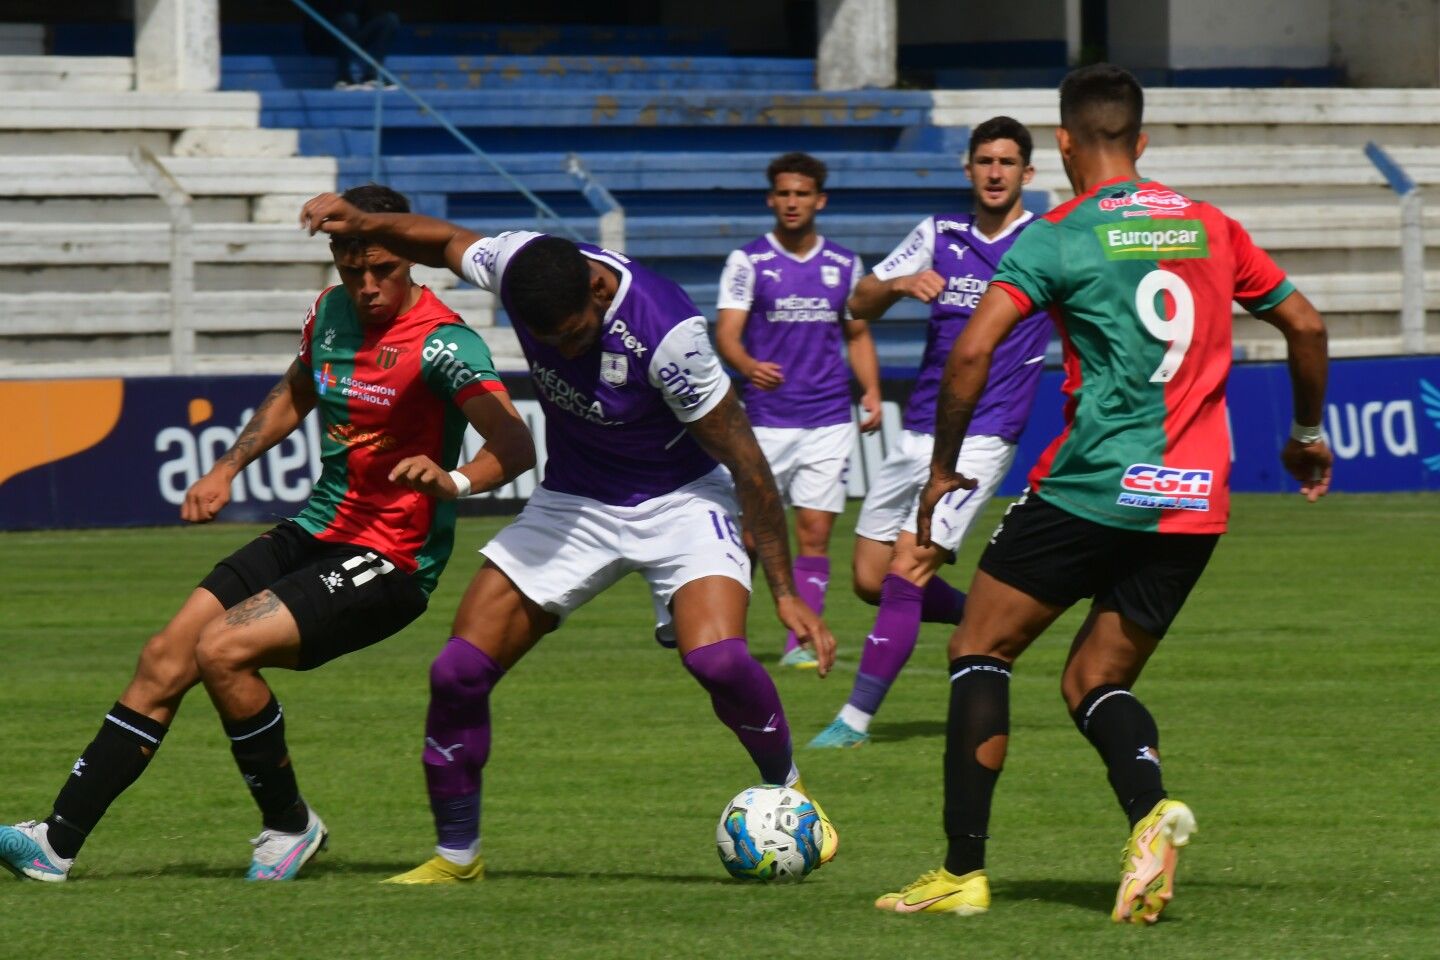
[(1389, 427), (283, 474)]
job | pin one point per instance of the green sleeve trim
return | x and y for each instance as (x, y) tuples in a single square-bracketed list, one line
[(1270, 300)]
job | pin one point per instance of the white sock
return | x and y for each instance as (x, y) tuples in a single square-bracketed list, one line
[(856, 719), (460, 857), (793, 776)]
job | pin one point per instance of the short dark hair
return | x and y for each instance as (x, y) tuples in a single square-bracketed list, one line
[(1102, 105), (797, 162), (376, 198), (369, 198), (1001, 128), (546, 282)]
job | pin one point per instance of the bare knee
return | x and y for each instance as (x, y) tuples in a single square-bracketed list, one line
[(1081, 677), (165, 671), (217, 653), (812, 532)]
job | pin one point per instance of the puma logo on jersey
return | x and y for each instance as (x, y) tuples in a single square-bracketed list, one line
[(772, 274), (959, 250)]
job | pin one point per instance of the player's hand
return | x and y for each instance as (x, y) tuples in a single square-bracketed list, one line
[(936, 489), (331, 214), (870, 403), (1310, 463), (766, 375), (205, 498), (924, 286), (426, 476), (810, 630)]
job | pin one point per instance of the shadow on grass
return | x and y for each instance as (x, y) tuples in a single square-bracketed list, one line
[(379, 870), (1097, 895), (909, 730)]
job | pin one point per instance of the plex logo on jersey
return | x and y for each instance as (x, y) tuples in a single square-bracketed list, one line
[(1151, 487), (1154, 240), (631, 342)]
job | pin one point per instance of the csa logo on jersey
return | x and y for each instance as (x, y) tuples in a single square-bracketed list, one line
[(614, 368), (830, 274), (1165, 488)]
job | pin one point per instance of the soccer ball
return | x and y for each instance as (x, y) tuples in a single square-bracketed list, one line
[(769, 833)]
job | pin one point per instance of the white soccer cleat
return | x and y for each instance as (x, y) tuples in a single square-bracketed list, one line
[(279, 856), (26, 852)]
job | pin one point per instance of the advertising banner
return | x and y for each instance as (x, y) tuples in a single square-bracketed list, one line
[(98, 453)]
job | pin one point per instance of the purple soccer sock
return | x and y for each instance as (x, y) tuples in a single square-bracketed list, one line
[(812, 576), (457, 739), (889, 645), (942, 603), (746, 701)]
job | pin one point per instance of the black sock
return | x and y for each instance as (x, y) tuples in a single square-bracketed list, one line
[(115, 759), (1124, 732), (258, 744), (978, 728)]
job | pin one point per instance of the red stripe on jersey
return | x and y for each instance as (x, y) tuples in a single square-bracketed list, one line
[(1073, 378), (1019, 297), (477, 388)]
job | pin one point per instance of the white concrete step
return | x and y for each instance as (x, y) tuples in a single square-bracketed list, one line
[(67, 73), (1242, 106), (130, 110), (101, 176), (129, 314)]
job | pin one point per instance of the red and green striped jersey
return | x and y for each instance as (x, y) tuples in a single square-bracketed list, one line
[(384, 393), (1140, 279)]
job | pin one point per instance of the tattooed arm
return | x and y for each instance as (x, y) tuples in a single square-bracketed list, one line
[(279, 413), (725, 434), (966, 371)]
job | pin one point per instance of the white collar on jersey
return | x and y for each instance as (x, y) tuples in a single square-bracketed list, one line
[(620, 291), (814, 251), (1010, 228)]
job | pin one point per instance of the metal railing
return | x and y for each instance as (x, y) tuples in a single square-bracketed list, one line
[(1412, 248), (596, 195)]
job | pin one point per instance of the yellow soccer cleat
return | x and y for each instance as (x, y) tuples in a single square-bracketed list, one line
[(1147, 866), (439, 870), (829, 837), (941, 891)]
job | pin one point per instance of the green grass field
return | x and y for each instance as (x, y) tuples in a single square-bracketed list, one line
[(1297, 701)]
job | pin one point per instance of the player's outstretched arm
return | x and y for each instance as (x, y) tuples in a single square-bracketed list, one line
[(865, 364), (1305, 455), (419, 239), (729, 326), (725, 434), (279, 413), (966, 371), (509, 451), (873, 296)]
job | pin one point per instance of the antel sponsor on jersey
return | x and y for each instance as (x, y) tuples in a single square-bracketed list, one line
[(1152, 487)]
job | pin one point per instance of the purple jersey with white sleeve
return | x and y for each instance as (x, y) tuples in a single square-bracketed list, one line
[(615, 417), (950, 245), (796, 307)]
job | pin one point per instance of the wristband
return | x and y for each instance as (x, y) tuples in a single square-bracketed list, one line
[(1306, 435), (462, 484)]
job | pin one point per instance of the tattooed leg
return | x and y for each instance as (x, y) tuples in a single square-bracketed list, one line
[(258, 632)]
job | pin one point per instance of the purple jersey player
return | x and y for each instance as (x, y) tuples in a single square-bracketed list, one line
[(947, 261), (637, 413), (783, 325)]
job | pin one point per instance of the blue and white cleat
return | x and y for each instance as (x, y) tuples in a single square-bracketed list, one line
[(25, 851), (801, 658), (279, 856), (839, 735)]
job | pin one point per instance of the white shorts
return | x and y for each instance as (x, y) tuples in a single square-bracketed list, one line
[(562, 550), (809, 464), (891, 503)]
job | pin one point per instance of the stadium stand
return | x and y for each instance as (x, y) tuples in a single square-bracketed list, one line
[(677, 131)]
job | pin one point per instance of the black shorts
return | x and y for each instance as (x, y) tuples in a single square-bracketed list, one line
[(1060, 558), (343, 597)]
